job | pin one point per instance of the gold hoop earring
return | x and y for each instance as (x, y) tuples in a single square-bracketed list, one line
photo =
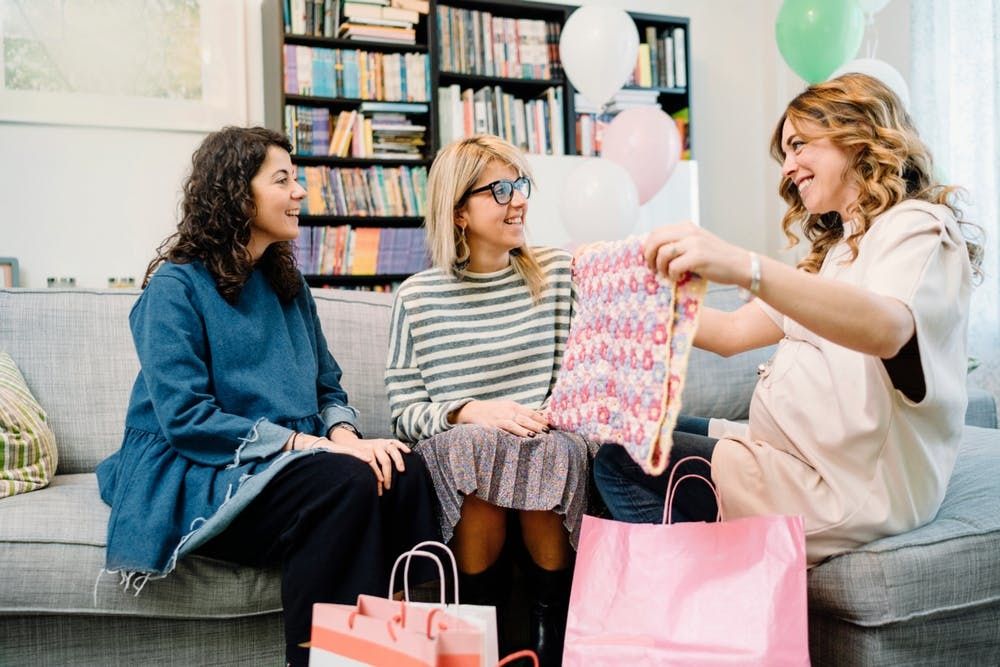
[(462, 251)]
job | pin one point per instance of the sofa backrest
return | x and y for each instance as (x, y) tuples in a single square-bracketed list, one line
[(75, 351), (74, 348)]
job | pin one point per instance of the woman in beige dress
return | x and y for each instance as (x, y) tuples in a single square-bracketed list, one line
[(856, 421)]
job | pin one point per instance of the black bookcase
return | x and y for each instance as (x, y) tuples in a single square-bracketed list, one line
[(671, 99)]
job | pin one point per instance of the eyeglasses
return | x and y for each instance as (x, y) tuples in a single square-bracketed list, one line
[(503, 190)]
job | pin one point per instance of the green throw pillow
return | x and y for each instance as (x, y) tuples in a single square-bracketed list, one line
[(27, 446)]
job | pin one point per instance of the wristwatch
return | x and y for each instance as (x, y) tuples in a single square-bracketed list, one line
[(348, 425)]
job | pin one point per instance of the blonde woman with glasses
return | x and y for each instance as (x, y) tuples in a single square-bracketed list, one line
[(475, 346)]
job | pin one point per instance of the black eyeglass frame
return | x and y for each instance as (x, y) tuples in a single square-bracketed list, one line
[(492, 187)]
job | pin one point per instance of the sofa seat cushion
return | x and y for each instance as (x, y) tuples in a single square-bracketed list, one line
[(947, 565), (52, 550)]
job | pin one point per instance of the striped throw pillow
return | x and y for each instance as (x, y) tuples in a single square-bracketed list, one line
[(27, 445)]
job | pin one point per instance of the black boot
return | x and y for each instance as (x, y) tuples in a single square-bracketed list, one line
[(549, 605), (490, 587)]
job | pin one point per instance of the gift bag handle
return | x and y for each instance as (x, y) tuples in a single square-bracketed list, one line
[(517, 656), (406, 571), (668, 507)]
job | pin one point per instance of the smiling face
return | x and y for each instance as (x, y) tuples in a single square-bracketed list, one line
[(491, 229), (817, 168), (277, 197)]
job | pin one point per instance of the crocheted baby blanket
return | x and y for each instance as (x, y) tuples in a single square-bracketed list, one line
[(625, 361)]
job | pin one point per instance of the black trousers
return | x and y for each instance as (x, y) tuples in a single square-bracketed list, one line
[(322, 520)]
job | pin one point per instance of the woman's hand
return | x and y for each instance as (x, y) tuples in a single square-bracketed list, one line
[(673, 250), (380, 454), (503, 414)]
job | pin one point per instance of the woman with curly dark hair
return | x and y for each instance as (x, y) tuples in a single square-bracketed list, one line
[(239, 439), (855, 422)]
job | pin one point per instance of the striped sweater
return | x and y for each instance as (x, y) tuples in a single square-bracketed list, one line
[(479, 337)]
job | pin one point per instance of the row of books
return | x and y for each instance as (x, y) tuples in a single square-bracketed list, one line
[(535, 126), (373, 191), (361, 251), (356, 74), (477, 42), (662, 60), (380, 135), (333, 18)]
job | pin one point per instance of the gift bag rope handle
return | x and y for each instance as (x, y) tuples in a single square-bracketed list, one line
[(668, 507), (406, 570), (517, 656)]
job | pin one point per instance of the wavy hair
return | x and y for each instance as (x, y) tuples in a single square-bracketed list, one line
[(456, 169), (217, 213), (886, 160)]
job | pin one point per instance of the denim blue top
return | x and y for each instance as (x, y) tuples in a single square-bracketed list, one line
[(220, 389)]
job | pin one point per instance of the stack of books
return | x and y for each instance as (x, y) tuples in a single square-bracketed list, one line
[(394, 136), (389, 21)]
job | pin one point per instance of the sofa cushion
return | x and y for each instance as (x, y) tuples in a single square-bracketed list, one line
[(944, 566), (52, 551), (27, 447), (717, 386)]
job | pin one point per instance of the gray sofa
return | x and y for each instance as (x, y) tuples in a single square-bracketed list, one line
[(931, 596)]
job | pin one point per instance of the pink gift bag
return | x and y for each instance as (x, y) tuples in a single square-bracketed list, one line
[(723, 593)]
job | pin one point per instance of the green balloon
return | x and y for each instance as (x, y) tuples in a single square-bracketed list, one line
[(816, 37)]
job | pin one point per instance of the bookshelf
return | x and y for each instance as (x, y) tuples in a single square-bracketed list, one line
[(470, 68)]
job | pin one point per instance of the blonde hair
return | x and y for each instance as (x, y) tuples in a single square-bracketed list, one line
[(886, 160), (456, 169)]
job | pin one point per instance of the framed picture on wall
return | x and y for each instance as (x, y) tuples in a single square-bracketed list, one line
[(172, 64), (8, 272)]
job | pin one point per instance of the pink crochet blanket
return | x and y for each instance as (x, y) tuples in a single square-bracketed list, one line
[(623, 369)]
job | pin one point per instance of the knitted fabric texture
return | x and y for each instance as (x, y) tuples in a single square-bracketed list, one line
[(626, 357)]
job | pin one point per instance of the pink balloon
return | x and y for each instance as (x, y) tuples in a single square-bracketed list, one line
[(646, 142)]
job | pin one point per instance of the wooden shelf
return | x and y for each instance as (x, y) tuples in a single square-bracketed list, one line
[(481, 80), (346, 103), (363, 45)]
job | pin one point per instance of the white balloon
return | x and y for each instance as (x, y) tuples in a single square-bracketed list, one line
[(872, 6), (599, 202), (881, 70), (598, 48)]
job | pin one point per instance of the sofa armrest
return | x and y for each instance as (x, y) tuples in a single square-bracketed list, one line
[(982, 410)]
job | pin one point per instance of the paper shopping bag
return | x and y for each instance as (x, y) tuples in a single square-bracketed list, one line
[(724, 593), (341, 636), (483, 617)]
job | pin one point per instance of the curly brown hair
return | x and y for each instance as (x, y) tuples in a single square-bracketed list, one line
[(886, 160), (217, 212)]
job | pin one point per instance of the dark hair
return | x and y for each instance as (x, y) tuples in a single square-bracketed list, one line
[(886, 160), (217, 212)]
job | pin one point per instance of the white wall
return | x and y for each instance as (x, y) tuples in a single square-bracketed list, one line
[(94, 202)]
